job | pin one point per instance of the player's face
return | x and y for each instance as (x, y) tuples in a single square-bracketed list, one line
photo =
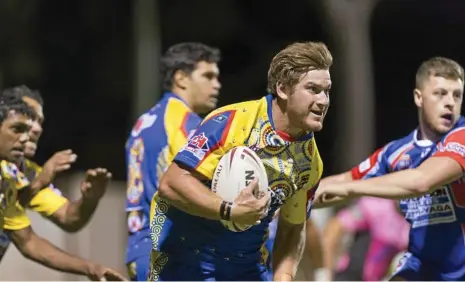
[(308, 103), (36, 128), (14, 133), (204, 87), (440, 102)]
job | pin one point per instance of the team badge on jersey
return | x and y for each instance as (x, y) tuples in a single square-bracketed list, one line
[(198, 146), (144, 122), (404, 162)]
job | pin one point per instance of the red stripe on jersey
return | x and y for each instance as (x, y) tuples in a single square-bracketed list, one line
[(222, 140), (358, 172)]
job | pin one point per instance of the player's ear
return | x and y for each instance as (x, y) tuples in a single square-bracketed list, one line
[(417, 97), (180, 79), (281, 91)]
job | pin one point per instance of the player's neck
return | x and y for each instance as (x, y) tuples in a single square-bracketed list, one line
[(426, 134), (281, 120), (186, 97)]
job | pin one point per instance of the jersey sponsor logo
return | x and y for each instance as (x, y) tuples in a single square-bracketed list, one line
[(198, 146), (430, 209), (144, 122), (453, 147)]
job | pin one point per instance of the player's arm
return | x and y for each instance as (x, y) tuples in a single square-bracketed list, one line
[(33, 247), (375, 165), (290, 237), (72, 216), (181, 185), (346, 221), (338, 178), (314, 250), (444, 167)]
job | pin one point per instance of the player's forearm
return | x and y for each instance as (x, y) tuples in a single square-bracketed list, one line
[(314, 245), (407, 183), (335, 201), (78, 213), (188, 194), (43, 252), (288, 249), (332, 238)]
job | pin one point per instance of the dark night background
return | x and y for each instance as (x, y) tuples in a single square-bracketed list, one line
[(79, 54)]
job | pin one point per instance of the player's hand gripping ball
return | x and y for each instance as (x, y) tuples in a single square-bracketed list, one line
[(234, 173)]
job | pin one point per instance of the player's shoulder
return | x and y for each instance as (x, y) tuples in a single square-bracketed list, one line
[(241, 113), (399, 144)]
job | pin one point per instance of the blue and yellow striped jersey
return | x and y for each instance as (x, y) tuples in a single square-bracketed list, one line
[(46, 202), (156, 138), (294, 168)]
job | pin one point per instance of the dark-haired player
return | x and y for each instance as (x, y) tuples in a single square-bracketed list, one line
[(190, 79)]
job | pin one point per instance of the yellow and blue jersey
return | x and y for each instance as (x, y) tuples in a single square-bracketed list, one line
[(12, 218), (156, 138), (46, 203), (294, 168)]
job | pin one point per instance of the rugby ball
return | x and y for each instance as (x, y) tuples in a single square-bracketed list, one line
[(235, 170)]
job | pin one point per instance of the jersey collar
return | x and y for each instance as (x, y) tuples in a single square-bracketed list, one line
[(421, 142)]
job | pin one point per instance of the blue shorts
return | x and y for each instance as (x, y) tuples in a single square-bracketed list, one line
[(185, 268), (411, 268), (138, 270)]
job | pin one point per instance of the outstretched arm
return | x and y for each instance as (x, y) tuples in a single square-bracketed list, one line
[(433, 173), (73, 216), (42, 251)]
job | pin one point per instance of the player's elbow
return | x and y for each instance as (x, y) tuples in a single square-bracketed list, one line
[(167, 186), (419, 183), (422, 187)]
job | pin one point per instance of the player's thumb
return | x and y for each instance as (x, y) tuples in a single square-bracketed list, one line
[(252, 187)]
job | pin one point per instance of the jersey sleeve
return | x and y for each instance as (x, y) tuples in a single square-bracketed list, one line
[(47, 201), (181, 124), (214, 138), (315, 177), (15, 218), (453, 146), (294, 210), (374, 165)]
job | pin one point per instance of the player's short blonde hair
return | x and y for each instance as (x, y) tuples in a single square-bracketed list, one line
[(288, 66), (438, 66)]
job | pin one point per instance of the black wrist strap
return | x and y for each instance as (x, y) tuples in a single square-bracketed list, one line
[(225, 210)]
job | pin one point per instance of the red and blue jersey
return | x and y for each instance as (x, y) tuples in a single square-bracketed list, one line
[(437, 219), (155, 139)]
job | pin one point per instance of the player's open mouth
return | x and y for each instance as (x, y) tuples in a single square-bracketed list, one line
[(317, 113), (17, 152), (448, 117)]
